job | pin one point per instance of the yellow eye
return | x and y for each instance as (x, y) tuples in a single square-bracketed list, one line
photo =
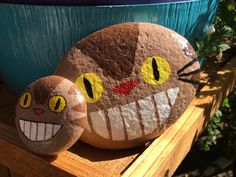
[(91, 87), (57, 103), (26, 100), (155, 70)]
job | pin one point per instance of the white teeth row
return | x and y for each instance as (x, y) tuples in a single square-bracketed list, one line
[(128, 121), (38, 131)]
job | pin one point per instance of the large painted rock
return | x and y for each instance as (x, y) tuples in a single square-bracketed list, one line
[(137, 80)]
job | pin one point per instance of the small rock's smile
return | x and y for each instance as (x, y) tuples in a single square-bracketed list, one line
[(38, 131)]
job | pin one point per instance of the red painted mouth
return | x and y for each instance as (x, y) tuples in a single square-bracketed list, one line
[(125, 88), (38, 111)]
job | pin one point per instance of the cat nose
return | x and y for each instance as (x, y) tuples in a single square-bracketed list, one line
[(125, 88), (38, 111)]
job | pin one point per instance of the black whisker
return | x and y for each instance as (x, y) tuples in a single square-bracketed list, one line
[(187, 65), (190, 73), (189, 81)]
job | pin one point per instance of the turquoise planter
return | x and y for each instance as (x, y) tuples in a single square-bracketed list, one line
[(34, 38)]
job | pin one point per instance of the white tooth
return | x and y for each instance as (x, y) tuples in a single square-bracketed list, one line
[(163, 106), (172, 94), (27, 129), (56, 128), (99, 123), (132, 124), (116, 122), (148, 116), (22, 123), (33, 131), (41, 131), (48, 133)]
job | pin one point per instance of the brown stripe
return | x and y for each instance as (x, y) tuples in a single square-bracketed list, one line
[(52, 131), (80, 108), (30, 130), (72, 90), (119, 55), (123, 120), (43, 87), (44, 131), (90, 124), (167, 96), (82, 122), (108, 124), (36, 137), (138, 110), (155, 111)]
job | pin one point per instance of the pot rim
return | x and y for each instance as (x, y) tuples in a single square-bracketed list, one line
[(93, 2)]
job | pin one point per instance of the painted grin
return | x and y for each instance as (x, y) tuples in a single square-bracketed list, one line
[(38, 131), (135, 119)]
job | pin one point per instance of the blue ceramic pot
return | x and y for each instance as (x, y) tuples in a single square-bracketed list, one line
[(90, 2), (33, 38)]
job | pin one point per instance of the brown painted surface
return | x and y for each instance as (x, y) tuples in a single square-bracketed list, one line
[(116, 55), (164, 154)]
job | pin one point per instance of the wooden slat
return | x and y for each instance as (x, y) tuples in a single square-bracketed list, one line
[(166, 152), (4, 172), (14, 174), (163, 155), (31, 165), (108, 162), (112, 162)]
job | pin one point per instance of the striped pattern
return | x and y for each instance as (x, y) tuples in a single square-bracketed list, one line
[(38, 131), (134, 120)]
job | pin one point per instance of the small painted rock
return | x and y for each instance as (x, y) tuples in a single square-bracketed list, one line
[(51, 115), (137, 80)]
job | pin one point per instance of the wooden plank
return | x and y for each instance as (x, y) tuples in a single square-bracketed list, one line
[(14, 174), (166, 152), (112, 162), (89, 161), (4, 172), (31, 165)]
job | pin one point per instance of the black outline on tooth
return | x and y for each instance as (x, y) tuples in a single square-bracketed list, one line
[(61, 125)]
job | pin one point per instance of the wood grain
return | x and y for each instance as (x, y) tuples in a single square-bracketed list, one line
[(166, 152), (4, 171), (14, 174), (159, 158)]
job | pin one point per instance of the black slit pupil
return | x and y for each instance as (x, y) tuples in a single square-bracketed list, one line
[(88, 88), (26, 99), (57, 104), (155, 70)]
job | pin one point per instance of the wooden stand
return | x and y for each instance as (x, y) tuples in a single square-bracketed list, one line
[(158, 158)]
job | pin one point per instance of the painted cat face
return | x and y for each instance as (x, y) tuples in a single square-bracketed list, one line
[(137, 79), (51, 115)]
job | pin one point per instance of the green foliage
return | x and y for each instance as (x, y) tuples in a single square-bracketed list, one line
[(213, 132), (222, 35), (220, 38)]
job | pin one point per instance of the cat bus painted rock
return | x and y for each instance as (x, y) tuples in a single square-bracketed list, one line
[(117, 88)]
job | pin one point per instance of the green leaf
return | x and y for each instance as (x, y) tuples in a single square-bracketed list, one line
[(230, 7), (225, 103), (223, 47)]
